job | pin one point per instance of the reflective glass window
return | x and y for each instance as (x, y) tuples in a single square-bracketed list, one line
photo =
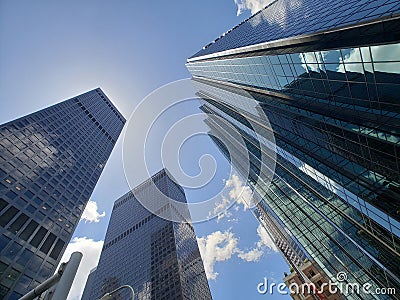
[(8, 215)]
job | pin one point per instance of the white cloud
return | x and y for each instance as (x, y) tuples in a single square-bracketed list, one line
[(217, 246), (252, 255), (221, 246), (239, 192), (233, 220), (314, 61), (91, 214), (252, 5), (353, 59), (221, 209), (91, 250), (379, 53), (256, 253), (265, 239)]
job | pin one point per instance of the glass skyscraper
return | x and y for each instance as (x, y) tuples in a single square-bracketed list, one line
[(50, 162), (159, 258), (327, 76)]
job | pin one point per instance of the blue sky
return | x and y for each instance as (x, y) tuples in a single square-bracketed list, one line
[(51, 51)]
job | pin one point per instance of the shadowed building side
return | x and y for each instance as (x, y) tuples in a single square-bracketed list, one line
[(50, 162), (159, 258)]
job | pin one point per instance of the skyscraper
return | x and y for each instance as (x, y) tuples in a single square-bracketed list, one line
[(326, 75), (50, 162), (159, 258)]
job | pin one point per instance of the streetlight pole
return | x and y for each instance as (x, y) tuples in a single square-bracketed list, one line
[(63, 279), (108, 295), (65, 283)]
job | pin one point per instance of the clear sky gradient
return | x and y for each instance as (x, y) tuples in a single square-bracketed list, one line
[(54, 50)]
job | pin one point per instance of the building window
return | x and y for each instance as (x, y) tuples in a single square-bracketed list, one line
[(4, 241), (24, 258), (48, 243), (57, 249), (37, 239), (18, 223), (26, 234), (3, 204), (8, 215)]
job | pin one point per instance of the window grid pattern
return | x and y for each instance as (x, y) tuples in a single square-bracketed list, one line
[(50, 162), (363, 213), (289, 18), (317, 149), (332, 103), (363, 140), (158, 258), (286, 196), (364, 80)]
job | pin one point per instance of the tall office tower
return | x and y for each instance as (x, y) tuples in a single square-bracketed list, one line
[(159, 258), (303, 272), (326, 74), (288, 246), (50, 162)]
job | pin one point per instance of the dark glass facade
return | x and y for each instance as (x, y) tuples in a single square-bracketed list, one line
[(289, 247), (50, 162), (327, 76), (307, 204), (286, 19), (160, 259)]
